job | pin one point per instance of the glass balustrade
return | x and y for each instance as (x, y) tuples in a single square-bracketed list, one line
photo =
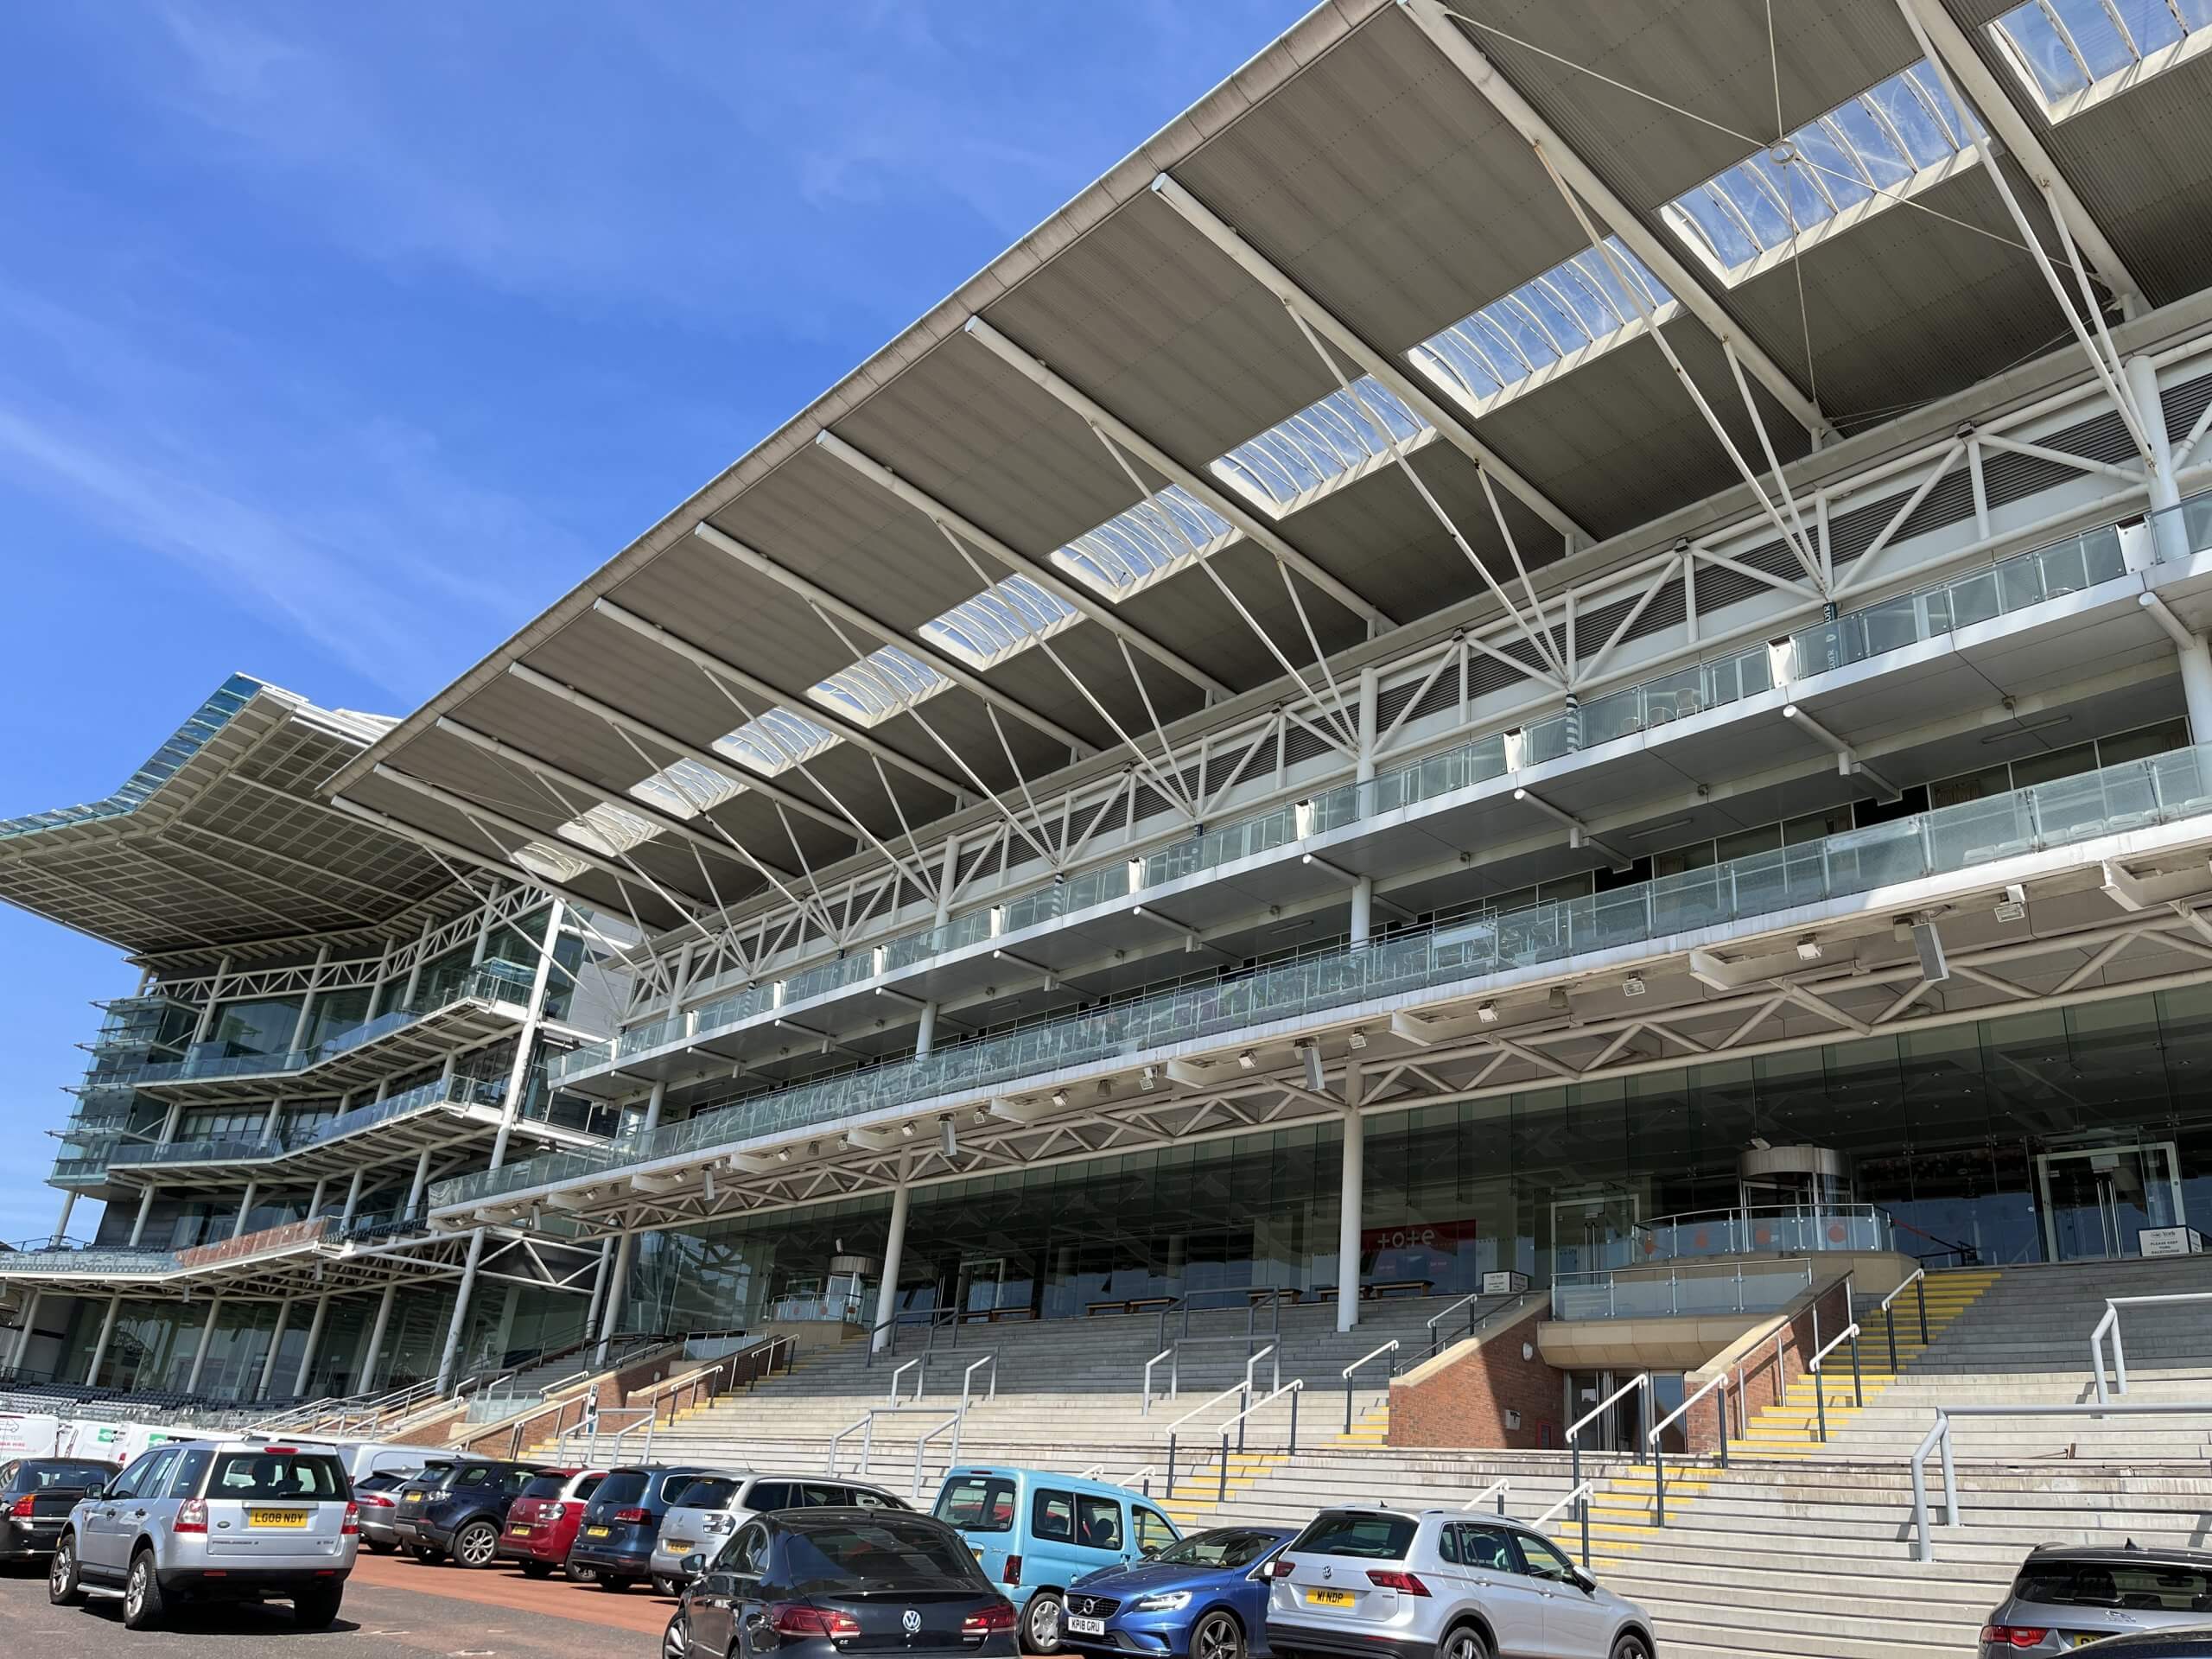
[(2160, 789), (1694, 1288), (1791, 1230)]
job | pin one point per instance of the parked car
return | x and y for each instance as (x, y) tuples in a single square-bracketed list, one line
[(2067, 1594), (215, 1521), (542, 1521), (36, 1494), (379, 1496), (713, 1506), (1202, 1598), (614, 1540), (411, 1496), (818, 1584), (1036, 1533), (464, 1518), (1440, 1584)]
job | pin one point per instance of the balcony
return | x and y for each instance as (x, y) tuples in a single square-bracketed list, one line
[(1675, 1289), (488, 1001), (2013, 585), (1459, 953), (1759, 1230)]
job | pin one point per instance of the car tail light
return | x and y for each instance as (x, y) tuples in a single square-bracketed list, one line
[(376, 1500), (2017, 1635), (1283, 1567), (1384, 1578), (999, 1616), (797, 1618), (281, 1451), (1012, 1570), (635, 1516), (352, 1523), (192, 1516), (22, 1507)]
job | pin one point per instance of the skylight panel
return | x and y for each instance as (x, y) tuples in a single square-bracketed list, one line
[(1864, 154), (1148, 542), (608, 829), (884, 682), (2066, 50), (1323, 446), (1550, 323), (685, 790), (1005, 618), (544, 859), (775, 742)]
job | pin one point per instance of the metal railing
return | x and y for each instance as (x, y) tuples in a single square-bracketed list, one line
[(1475, 1325), (1174, 1378), (1497, 1488), (1850, 1334), (1939, 1438), (931, 1319), (1294, 1387), (919, 1366), (864, 1426), (1388, 1348), (1580, 1498), (952, 1423), (1655, 1441), (627, 1421), (2109, 1328), (1787, 1229), (1238, 1389), (968, 1379), (1641, 1380), (1676, 1288), (1916, 1281)]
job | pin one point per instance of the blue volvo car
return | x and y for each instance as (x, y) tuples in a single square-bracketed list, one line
[(1204, 1598)]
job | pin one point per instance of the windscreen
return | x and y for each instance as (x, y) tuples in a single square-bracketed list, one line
[(2146, 1586), (977, 1504), (44, 1477), (1344, 1532), (545, 1486), (257, 1476), (893, 1555), (623, 1486), (708, 1492), (1226, 1548)]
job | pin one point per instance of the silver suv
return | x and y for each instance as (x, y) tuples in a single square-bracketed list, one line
[(213, 1521), (1387, 1584)]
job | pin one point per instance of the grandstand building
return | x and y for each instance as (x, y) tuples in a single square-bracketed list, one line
[(1487, 644)]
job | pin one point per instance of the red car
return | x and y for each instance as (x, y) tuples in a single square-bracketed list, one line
[(542, 1521)]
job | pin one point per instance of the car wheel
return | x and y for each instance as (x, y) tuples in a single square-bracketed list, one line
[(582, 1574), (142, 1594), (537, 1569), (477, 1544), (1040, 1623), (62, 1588), (609, 1581), (1631, 1646), (313, 1609), (1466, 1642), (428, 1555), (664, 1586), (676, 1640), (1217, 1637)]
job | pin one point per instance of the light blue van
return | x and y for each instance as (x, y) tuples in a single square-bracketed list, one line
[(1036, 1533)]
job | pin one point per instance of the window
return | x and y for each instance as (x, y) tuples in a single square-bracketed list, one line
[(768, 1496), (1051, 1515), (866, 1498), (470, 1477), (977, 1504), (1156, 1537), (37, 1477), (710, 1492), (1224, 1546), (623, 1486), (1545, 1561), (1344, 1532), (253, 1476), (2146, 1586), (2069, 53), (1344, 436), (546, 1486), (146, 1476), (1487, 1549), (1148, 542), (191, 1470), (1097, 1522), (747, 1555), (892, 1553), (1865, 154)]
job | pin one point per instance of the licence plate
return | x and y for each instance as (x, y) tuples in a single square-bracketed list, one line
[(681, 1546), (1330, 1598), (412, 1497), (599, 1532), (1087, 1626), (282, 1519), (520, 1531)]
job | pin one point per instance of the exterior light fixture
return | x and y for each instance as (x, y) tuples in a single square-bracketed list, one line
[(1147, 1079), (1311, 1053), (1633, 985), (908, 1130), (2014, 904), (948, 1138), (1247, 1060), (1059, 1096), (1487, 1012), (1808, 948), (1357, 1039)]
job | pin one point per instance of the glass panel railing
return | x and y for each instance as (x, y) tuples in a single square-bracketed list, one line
[(492, 982), (2183, 532), (1688, 690), (1759, 1230), (1694, 1288), (2160, 789)]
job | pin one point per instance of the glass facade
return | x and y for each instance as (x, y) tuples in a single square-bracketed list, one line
[(2052, 1134)]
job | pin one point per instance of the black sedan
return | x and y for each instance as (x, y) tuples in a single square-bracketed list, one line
[(816, 1584), (36, 1494)]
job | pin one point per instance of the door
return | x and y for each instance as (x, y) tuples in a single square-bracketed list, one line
[(1576, 1624), (2097, 1200), (1593, 1231), (1488, 1568), (976, 1291), (113, 1523), (731, 1584)]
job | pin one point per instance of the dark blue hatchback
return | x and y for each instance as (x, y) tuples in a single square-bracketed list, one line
[(1202, 1598)]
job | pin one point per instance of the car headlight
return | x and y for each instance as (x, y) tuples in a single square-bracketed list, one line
[(1172, 1601)]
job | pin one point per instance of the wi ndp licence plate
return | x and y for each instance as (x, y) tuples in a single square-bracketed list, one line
[(1330, 1598), (280, 1520), (1086, 1626)]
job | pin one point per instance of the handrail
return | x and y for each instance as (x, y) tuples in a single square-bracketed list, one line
[(1497, 1488), (2109, 1325), (967, 1378), (1174, 1367), (1641, 1380), (1847, 1334), (1668, 1421), (951, 1422), (1850, 1334), (1252, 1361), (1579, 1497), (867, 1423), (1140, 1480), (1092, 1473), (1295, 1386), (919, 1366), (1939, 1437), (1206, 1406), (1390, 1347), (1437, 1320)]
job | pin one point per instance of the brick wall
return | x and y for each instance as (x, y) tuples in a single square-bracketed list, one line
[(1763, 1380), (515, 1435), (1467, 1394)]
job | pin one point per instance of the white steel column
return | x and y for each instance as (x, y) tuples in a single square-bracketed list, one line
[(245, 1207), (894, 1252), (2169, 540), (276, 1341), (61, 1221), (926, 1030), (1348, 1220), (23, 1348), (100, 1347), (353, 1199), (1363, 890), (618, 1281), (307, 1354), (371, 1360), (1363, 909), (206, 1340)]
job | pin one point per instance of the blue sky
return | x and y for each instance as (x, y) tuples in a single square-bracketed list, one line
[(336, 341)]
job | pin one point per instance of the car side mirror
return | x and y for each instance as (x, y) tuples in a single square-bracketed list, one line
[(1149, 1551), (694, 1564), (1584, 1582)]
